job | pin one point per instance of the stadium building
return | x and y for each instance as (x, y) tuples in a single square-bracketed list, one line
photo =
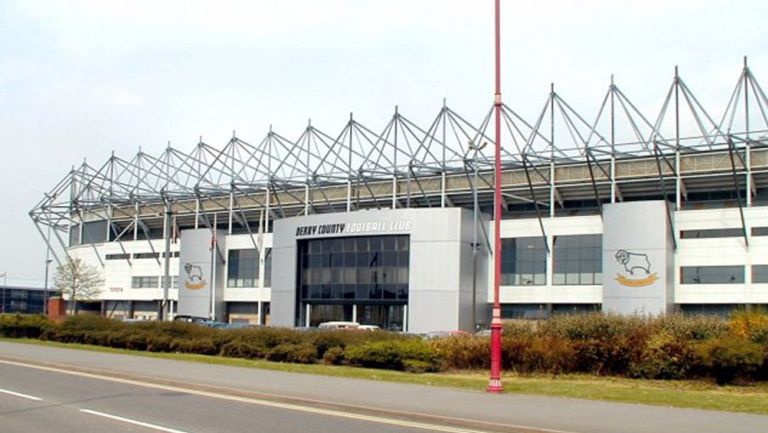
[(616, 210)]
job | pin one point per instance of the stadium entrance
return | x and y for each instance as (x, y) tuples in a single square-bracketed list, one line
[(362, 279)]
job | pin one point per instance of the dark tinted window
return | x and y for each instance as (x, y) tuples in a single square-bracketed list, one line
[(243, 268), (373, 268), (578, 260), (711, 233), (523, 262)]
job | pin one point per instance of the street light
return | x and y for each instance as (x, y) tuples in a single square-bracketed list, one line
[(494, 382)]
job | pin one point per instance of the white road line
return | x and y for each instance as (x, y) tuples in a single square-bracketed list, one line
[(285, 406), (18, 394), (131, 421)]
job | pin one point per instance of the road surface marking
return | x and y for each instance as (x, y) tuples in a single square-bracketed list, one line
[(131, 421), (18, 394), (285, 406)]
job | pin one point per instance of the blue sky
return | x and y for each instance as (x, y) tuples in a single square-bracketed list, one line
[(81, 79)]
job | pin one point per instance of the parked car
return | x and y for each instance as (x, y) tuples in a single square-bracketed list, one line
[(347, 325), (191, 319), (442, 334)]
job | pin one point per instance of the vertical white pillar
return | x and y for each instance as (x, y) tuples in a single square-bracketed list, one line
[(197, 213), (308, 315), (231, 211), (613, 179), (394, 192), (442, 189), (552, 189), (349, 195), (266, 214), (354, 312)]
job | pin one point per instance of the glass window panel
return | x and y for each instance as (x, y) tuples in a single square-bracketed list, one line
[(351, 269), (712, 274), (389, 243), (577, 259), (403, 243), (362, 244), (523, 261), (760, 273), (402, 258)]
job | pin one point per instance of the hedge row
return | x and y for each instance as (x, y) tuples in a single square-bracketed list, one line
[(673, 347)]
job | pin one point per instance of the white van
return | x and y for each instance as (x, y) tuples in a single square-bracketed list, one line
[(338, 325)]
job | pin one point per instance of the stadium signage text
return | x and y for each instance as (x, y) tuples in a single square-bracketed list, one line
[(353, 228)]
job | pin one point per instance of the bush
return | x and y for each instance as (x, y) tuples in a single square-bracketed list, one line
[(664, 357), (394, 355), (692, 327), (23, 326), (752, 325), (289, 352), (731, 358), (240, 348), (671, 347), (462, 352), (548, 355), (200, 346), (334, 356)]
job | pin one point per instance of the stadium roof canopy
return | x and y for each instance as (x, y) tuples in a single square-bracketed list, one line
[(559, 156)]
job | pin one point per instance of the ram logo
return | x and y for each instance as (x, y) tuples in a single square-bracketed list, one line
[(638, 268), (194, 279)]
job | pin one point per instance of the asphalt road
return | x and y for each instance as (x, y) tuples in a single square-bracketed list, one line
[(193, 397), (34, 400)]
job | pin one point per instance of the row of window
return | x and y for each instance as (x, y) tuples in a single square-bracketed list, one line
[(721, 233), (139, 256), (577, 260), (721, 274), (152, 282)]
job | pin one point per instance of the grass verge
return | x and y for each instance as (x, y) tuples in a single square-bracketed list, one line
[(683, 394)]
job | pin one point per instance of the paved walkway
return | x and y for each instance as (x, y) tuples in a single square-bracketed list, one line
[(535, 412)]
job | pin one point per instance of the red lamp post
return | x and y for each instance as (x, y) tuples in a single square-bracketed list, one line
[(494, 383)]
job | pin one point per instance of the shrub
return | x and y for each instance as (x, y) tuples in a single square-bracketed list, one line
[(201, 346), (731, 358), (23, 326), (393, 354), (462, 352), (752, 325), (240, 348), (334, 356), (289, 352), (692, 327), (664, 357), (549, 355)]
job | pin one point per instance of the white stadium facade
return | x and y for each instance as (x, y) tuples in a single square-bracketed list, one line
[(617, 210)]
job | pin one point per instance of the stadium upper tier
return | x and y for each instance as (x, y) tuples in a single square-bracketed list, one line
[(558, 161)]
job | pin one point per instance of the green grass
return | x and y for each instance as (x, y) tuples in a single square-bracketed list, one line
[(685, 394)]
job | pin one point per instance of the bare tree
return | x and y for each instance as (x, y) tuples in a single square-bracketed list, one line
[(78, 281)]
